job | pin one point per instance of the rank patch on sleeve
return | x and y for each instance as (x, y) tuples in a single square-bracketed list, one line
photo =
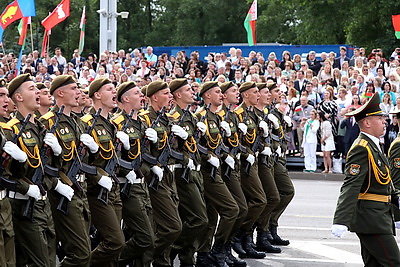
[(354, 169), (396, 163)]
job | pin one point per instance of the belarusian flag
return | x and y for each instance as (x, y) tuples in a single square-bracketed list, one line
[(250, 24), (298, 109), (82, 27), (396, 25)]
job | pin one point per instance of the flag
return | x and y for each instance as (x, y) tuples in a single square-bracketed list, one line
[(59, 14), (45, 42), (298, 109), (396, 25), (82, 27), (368, 95), (23, 28), (15, 11), (250, 24), (27, 8)]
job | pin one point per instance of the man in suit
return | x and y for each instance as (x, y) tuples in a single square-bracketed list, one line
[(300, 83), (364, 204), (342, 58), (352, 131), (77, 60), (313, 63)]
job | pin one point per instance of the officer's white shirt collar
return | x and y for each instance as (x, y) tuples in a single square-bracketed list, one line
[(375, 140)]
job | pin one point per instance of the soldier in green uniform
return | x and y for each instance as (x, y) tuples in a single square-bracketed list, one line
[(84, 103), (7, 236), (164, 200), (281, 124), (189, 182), (266, 173), (35, 237), (364, 204), (106, 215), (72, 229), (217, 195), (45, 100), (231, 176), (136, 206)]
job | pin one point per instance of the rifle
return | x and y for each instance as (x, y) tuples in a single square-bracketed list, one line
[(78, 166), (37, 177), (200, 148), (4, 182), (275, 155), (235, 150), (220, 146), (168, 152)]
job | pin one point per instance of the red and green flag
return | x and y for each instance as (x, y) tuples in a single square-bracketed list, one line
[(250, 24), (82, 27), (396, 25)]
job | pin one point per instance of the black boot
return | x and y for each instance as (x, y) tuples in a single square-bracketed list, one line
[(277, 239), (231, 260), (202, 260), (217, 255), (250, 251), (269, 236), (237, 243), (264, 245)]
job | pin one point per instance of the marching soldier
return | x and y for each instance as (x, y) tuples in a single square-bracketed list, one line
[(102, 192), (364, 204), (266, 174), (217, 196), (231, 176), (164, 197), (136, 205), (45, 100), (280, 123), (34, 232), (72, 228), (189, 181), (84, 103)]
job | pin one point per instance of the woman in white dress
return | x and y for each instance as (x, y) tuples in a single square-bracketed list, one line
[(327, 142), (310, 141)]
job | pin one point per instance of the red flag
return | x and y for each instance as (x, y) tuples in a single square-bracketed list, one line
[(10, 14), (45, 42), (60, 13), (396, 25), (25, 21)]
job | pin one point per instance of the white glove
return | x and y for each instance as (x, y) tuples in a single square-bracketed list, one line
[(230, 161), (88, 141), (105, 182), (274, 120), (251, 159), (242, 127), (288, 120), (131, 177), (179, 131), (339, 230), (124, 138), (64, 190), (397, 224), (14, 151), (151, 134), (225, 126), (191, 165), (51, 140), (264, 126), (158, 171), (279, 151), (267, 151), (214, 161), (34, 192), (202, 127)]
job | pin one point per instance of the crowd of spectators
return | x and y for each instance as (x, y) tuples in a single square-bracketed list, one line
[(316, 93)]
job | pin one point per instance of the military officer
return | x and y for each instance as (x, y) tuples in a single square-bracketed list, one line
[(189, 182), (168, 224), (72, 229), (217, 196), (136, 209), (364, 204), (34, 232), (106, 213)]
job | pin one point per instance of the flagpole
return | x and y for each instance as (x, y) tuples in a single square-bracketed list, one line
[(30, 26)]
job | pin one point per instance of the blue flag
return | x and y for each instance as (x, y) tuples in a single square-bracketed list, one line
[(27, 7)]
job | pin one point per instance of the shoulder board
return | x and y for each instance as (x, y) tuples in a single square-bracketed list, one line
[(174, 115), (13, 122), (363, 143), (87, 118), (143, 113), (239, 110), (145, 118), (203, 112), (266, 111), (395, 141), (48, 115), (5, 126), (221, 113), (118, 119)]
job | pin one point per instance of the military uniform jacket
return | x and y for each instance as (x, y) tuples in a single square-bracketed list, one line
[(394, 163), (135, 130), (252, 127), (278, 135), (30, 142), (367, 171), (68, 133), (104, 134)]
